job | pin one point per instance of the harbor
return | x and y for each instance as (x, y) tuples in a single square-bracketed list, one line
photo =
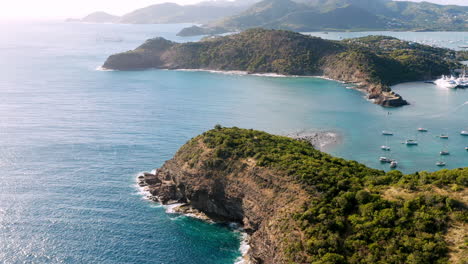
[(389, 158)]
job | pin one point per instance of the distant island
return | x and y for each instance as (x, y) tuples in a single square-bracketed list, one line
[(300, 205), (344, 15), (171, 13), (96, 17), (372, 63), (224, 16)]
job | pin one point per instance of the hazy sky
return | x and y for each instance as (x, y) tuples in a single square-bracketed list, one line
[(78, 8)]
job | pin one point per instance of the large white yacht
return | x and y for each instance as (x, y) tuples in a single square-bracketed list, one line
[(449, 82)]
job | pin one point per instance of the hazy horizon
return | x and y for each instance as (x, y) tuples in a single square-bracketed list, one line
[(57, 9)]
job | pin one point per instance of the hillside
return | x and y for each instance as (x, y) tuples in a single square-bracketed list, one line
[(300, 205), (97, 17), (173, 13), (342, 15), (373, 63)]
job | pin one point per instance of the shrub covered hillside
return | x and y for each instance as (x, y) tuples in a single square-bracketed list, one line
[(374, 63), (354, 214)]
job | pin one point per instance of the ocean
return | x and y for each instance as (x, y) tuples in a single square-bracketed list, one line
[(73, 139)]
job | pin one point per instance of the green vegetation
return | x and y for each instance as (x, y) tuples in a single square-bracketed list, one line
[(354, 15), (374, 62), (400, 61), (348, 219), (197, 31)]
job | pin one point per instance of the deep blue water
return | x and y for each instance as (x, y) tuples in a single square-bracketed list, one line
[(72, 140)]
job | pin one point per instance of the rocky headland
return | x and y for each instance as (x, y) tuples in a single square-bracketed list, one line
[(300, 205), (372, 63)]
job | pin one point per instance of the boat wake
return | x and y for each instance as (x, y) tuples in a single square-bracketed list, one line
[(458, 107)]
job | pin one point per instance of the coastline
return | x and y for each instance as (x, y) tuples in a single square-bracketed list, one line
[(186, 210), (350, 85), (358, 86)]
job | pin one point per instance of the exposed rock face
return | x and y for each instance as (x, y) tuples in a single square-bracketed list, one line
[(390, 99), (258, 198)]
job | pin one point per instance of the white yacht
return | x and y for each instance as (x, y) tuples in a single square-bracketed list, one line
[(447, 82), (384, 147), (444, 153), (440, 163), (443, 136), (421, 129), (464, 133), (387, 133), (410, 142), (393, 164), (462, 80), (385, 159)]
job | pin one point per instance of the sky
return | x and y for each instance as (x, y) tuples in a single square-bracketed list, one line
[(18, 9)]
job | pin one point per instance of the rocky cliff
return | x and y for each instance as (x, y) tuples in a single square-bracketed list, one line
[(261, 200), (303, 206), (374, 63)]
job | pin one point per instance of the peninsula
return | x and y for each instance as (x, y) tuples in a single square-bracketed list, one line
[(372, 63), (300, 205)]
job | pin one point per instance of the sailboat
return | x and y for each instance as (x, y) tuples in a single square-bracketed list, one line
[(386, 132), (385, 147), (411, 142), (385, 160)]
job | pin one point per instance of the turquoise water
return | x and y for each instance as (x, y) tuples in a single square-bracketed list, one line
[(73, 139)]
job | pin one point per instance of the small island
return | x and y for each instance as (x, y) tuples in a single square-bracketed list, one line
[(371, 63), (300, 205)]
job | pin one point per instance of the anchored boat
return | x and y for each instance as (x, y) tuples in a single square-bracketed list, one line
[(385, 159), (447, 82), (411, 142), (386, 148)]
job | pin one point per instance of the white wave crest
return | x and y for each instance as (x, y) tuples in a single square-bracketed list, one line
[(100, 68), (244, 250)]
